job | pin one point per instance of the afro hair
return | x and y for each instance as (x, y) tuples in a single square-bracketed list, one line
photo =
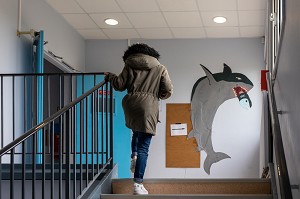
[(140, 48)]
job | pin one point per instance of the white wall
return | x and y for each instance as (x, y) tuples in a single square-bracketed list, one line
[(236, 131), (15, 55), (62, 39)]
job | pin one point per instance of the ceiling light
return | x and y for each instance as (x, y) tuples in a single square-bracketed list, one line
[(111, 22), (219, 19)]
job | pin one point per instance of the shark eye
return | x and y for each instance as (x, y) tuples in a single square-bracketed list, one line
[(238, 78)]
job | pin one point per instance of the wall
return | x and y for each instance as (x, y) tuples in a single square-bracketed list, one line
[(236, 131), (287, 92), (16, 52)]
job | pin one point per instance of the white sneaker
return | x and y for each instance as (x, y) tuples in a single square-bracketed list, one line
[(139, 189), (132, 164)]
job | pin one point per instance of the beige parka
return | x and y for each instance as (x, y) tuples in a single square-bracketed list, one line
[(146, 81)]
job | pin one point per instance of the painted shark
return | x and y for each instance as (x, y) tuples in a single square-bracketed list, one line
[(208, 94)]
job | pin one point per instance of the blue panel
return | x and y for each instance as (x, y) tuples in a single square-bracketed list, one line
[(122, 139), (83, 128), (122, 135), (40, 86)]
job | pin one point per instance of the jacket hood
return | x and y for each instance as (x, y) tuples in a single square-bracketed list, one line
[(141, 62)]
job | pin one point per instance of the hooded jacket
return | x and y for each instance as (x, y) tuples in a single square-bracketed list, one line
[(146, 81)]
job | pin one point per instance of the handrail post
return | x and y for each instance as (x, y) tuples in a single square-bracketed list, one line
[(111, 125), (67, 143), (273, 181)]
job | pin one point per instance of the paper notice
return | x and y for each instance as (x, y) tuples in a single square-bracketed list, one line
[(178, 129)]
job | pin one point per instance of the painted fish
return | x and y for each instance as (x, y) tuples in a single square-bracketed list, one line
[(208, 94)]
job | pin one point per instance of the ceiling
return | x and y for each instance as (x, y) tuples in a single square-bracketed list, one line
[(164, 19)]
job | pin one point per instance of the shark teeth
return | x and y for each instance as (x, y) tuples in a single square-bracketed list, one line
[(238, 90)]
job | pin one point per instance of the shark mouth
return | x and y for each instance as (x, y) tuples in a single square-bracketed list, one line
[(241, 94), (238, 90)]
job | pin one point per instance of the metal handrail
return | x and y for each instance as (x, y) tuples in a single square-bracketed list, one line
[(282, 171), (46, 74), (273, 180), (67, 147), (36, 128)]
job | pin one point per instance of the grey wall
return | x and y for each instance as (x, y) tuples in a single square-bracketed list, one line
[(236, 131), (288, 93), (104, 55)]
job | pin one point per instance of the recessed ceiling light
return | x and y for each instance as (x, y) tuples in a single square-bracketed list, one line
[(111, 22), (219, 19)]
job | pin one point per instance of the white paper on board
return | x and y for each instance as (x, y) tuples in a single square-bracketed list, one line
[(178, 129)]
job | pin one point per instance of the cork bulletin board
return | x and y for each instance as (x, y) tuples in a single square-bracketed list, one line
[(180, 152)]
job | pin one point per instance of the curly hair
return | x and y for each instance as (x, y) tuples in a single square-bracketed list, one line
[(140, 48)]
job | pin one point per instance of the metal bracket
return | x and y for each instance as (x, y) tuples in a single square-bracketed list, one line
[(31, 33), (294, 186), (273, 18)]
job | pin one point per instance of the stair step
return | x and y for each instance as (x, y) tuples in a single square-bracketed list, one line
[(185, 196), (18, 172), (196, 186)]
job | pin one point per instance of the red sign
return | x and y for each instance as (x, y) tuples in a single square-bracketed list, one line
[(104, 92), (264, 86)]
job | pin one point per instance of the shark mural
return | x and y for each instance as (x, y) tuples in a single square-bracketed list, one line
[(208, 94)]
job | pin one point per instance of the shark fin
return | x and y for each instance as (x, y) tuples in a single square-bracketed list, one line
[(209, 75), (213, 158), (192, 134), (227, 70), (195, 134)]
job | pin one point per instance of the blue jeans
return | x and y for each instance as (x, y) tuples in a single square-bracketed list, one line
[(140, 146)]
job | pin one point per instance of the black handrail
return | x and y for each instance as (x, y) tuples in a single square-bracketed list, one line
[(282, 171), (36, 128)]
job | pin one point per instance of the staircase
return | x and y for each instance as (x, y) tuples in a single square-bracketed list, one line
[(194, 188), (67, 168)]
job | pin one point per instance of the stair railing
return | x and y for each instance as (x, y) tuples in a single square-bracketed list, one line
[(280, 161), (276, 20), (69, 160)]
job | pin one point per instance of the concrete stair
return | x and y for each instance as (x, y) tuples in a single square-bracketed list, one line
[(194, 188)]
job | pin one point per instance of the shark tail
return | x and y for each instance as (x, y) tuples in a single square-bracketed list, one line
[(213, 158)]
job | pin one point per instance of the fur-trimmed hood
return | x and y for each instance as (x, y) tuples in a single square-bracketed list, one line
[(141, 62)]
